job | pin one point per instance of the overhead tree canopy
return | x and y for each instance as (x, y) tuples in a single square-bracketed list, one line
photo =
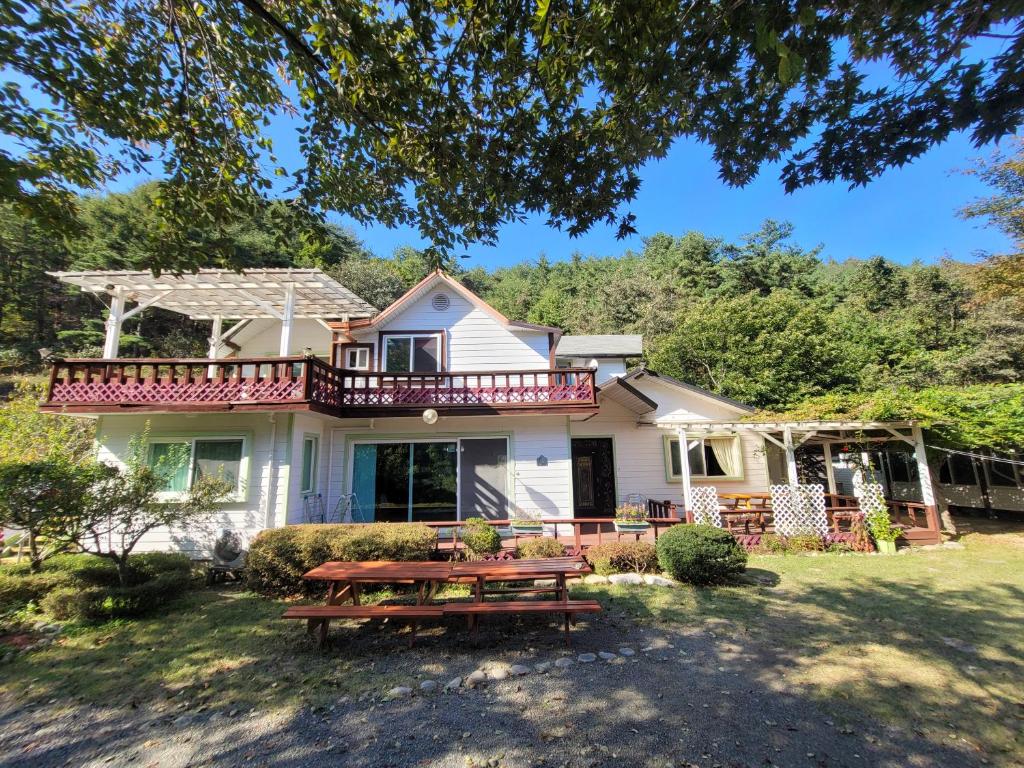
[(457, 117)]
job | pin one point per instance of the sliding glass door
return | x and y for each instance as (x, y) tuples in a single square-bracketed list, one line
[(402, 482), (420, 481)]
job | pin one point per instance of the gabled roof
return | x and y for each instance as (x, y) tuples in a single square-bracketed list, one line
[(625, 394), (437, 278), (253, 294), (604, 345), (642, 371)]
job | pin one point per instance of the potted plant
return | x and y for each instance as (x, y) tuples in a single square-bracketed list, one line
[(525, 524), (881, 528), (631, 518)]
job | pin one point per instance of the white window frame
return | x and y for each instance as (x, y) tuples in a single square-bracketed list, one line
[(314, 466), (412, 350), (359, 352), (241, 488), (671, 476)]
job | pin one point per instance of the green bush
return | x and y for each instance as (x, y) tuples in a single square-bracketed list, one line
[(773, 544), (806, 542), (103, 603), (700, 554), (480, 538), (623, 557), (278, 557), (86, 587), (540, 547)]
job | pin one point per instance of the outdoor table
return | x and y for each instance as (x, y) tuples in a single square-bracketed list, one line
[(557, 568), (344, 578)]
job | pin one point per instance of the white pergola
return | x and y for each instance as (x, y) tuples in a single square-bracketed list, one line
[(219, 295), (790, 435)]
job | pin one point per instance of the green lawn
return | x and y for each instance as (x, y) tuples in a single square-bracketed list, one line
[(930, 641)]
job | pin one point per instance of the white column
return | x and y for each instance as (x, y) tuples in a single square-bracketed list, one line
[(112, 342), (684, 466), (924, 473), (791, 473), (830, 473), (215, 334), (286, 320)]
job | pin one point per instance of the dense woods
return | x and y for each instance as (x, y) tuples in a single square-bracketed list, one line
[(765, 320)]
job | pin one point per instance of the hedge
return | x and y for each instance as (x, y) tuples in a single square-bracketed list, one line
[(86, 587), (623, 557), (540, 547), (700, 554), (279, 556)]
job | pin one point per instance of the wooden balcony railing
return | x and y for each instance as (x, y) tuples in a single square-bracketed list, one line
[(468, 390), (248, 383), (181, 384)]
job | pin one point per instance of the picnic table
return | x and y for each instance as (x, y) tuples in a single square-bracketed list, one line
[(344, 579)]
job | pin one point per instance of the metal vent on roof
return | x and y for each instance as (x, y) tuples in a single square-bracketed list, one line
[(440, 302)]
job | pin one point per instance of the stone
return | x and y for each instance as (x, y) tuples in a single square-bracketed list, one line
[(659, 581), (606, 655), (595, 578), (498, 673), (586, 658), (617, 660), (627, 652), (952, 545), (452, 684), (518, 670), (475, 678), (545, 583), (542, 667), (625, 578), (563, 663), (429, 686), (399, 692)]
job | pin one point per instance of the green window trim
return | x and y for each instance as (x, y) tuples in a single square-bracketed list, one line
[(701, 455), (310, 463)]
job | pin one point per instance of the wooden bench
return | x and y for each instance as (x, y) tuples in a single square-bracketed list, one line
[(319, 616), (569, 608)]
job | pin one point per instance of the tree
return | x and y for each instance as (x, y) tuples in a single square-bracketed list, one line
[(457, 118), (46, 499), (123, 504), (28, 436)]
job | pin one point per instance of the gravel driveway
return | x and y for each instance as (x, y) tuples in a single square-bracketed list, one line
[(696, 697)]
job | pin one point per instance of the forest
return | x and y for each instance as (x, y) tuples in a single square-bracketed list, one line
[(765, 320)]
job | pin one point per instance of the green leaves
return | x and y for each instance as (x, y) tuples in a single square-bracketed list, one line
[(457, 117)]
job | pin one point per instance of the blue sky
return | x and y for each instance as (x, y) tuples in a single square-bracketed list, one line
[(907, 214)]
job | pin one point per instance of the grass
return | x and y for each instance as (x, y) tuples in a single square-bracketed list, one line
[(929, 641)]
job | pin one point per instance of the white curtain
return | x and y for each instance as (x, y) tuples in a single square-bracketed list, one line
[(726, 454)]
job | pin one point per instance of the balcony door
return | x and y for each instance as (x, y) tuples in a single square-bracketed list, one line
[(593, 477), (483, 474)]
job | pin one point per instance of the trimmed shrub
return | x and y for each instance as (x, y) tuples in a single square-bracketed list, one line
[(278, 557), (540, 547), (480, 538), (103, 603), (623, 557), (700, 554)]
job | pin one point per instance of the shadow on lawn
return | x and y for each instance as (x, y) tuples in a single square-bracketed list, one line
[(730, 680)]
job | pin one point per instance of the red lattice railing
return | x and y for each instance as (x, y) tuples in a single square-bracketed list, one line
[(509, 389), (179, 383)]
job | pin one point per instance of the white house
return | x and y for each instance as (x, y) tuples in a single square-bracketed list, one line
[(438, 408)]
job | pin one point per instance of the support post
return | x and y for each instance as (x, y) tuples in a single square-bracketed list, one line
[(684, 468), (286, 319), (216, 333), (112, 342), (924, 475), (830, 473), (791, 473)]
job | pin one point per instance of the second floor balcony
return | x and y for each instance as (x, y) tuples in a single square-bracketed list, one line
[(308, 383)]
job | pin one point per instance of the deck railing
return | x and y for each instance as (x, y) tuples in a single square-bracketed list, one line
[(254, 381), (455, 389)]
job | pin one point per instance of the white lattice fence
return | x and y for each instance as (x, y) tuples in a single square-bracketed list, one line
[(799, 509), (704, 504), (870, 498)]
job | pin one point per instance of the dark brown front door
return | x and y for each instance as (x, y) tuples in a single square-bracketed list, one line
[(593, 477)]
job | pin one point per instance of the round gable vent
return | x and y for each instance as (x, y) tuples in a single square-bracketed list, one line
[(440, 302)]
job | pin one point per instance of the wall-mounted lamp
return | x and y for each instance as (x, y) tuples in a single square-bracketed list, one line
[(430, 416)]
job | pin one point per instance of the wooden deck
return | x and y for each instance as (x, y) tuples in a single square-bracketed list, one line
[(308, 383)]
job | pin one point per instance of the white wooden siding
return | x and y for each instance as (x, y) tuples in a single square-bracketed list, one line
[(262, 338), (476, 340), (248, 517)]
